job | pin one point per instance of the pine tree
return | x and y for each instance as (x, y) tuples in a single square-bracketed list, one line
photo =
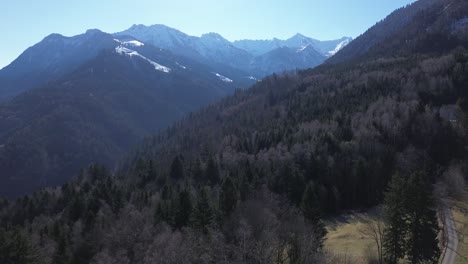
[(203, 212), (184, 209), (311, 210), (411, 228), (228, 197), (76, 209), (197, 171), (395, 218), (422, 243), (62, 253), (244, 188), (295, 184), (152, 174), (212, 172), (15, 248), (159, 214), (177, 169)]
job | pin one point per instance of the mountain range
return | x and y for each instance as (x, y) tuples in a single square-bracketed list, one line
[(248, 179), (258, 57), (70, 101)]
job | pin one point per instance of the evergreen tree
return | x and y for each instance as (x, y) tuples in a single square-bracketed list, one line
[(15, 248), (228, 197), (84, 253), (311, 209), (295, 184), (203, 213), (197, 171), (76, 209), (212, 172), (177, 168), (184, 209), (166, 210), (152, 174), (62, 253), (159, 214), (166, 193), (411, 222), (395, 217), (244, 188), (422, 243)]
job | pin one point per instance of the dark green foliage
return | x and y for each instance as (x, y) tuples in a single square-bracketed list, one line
[(203, 214), (183, 209), (16, 249), (395, 216), (228, 196), (412, 228), (422, 242), (312, 213), (164, 212), (177, 169), (212, 172), (77, 209), (84, 253)]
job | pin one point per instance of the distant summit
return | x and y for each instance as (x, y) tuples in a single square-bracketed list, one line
[(259, 57), (326, 48)]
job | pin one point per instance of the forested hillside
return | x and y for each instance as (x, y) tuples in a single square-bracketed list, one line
[(96, 114), (247, 180), (428, 26)]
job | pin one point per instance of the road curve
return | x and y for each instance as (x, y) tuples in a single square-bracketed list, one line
[(449, 253)]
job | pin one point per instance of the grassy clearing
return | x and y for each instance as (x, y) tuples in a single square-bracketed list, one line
[(460, 214), (346, 243)]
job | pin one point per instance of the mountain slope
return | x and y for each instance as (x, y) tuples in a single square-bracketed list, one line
[(284, 59), (345, 127), (50, 59), (434, 26), (96, 113)]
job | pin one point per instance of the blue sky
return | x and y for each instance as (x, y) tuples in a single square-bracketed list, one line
[(26, 22)]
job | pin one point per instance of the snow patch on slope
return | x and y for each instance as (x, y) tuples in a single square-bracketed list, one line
[(182, 66), (134, 43), (303, 48), (223, 78), (125, 51), (338, 47)]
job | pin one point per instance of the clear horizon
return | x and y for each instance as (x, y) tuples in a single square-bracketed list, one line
[(24, 24)]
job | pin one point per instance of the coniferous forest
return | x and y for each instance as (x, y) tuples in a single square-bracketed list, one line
[(251, 178)]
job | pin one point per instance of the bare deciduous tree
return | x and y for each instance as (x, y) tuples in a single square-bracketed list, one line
[(373, 227)]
